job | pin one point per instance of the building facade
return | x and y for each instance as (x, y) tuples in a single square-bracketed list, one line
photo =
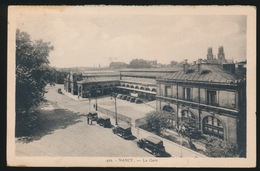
[(206, 96), (136, 82)]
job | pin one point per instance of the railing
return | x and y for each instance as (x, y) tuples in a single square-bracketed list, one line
[(112, 114), (140, 121), (197, 104)]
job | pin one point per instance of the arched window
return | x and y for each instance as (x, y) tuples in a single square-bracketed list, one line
[(172, 112), (147, 89), (132, 86), (168, 108), (213, 126), (141, 88), (123, 85), (136, 87), (127, 85), (188, 117), (153, 90)]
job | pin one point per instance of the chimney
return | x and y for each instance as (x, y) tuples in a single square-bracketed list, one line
[(199, 66), (185, 66), (229, 67)]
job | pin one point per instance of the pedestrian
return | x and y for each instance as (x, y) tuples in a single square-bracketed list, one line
[(88, 119), (94, 106)]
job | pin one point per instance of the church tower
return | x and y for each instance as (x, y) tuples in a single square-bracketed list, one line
[(210, 54), (221, 54)]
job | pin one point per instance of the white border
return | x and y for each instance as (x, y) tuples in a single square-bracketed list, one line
[(250, 161)]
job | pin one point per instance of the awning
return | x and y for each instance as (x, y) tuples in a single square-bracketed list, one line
[(133, 89)]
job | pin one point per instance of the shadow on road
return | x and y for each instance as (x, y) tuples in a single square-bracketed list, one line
[(38, 123), (132, 138)]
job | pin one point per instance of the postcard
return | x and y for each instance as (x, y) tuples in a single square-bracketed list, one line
[(131, 86)]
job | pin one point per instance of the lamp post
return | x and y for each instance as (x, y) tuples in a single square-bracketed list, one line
[(116, 111), (89, 99), (180, 135)]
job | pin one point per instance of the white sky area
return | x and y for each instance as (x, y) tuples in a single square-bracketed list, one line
[(88, 37)]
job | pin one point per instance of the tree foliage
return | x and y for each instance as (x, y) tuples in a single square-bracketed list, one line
[(173, 63), (32, 70), (157, 121), (139, 63), (118, 65), (219, 148)]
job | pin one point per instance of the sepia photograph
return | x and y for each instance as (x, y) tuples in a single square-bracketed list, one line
[(131, 86)]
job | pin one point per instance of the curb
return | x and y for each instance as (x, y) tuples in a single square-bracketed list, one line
[(201, 155)]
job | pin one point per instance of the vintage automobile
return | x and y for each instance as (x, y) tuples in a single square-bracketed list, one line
[(137, 101), (104, 121), (123, 131), (132, 99), (119, 96), (59, 91), (93, 115), (128, 98), (124, 97), (152, 145)]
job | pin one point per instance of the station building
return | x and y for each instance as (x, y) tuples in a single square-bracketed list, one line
[(136, 82), (209, 95)]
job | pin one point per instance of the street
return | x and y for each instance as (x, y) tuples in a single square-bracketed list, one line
[(79, 139)]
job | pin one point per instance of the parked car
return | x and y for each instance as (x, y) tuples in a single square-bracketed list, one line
[(119, 96), (59, 90), (128, 98), (137, 100), (124, 97), (104, 121), (93, 115), (123, 131), (152, 145), (132, 99)]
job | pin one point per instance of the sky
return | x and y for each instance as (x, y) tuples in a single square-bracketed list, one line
[(87, 37)]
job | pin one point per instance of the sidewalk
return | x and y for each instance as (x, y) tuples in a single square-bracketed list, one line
[(172, 148), (74, 97)]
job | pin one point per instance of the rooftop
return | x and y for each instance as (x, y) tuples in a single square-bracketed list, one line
[(98, 79), (209, 73)]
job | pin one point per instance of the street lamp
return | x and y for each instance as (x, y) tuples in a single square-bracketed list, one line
[(180, 129), (89, 99), (115, 111)]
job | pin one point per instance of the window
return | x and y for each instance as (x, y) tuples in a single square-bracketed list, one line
[(186, 93), (212, 97), (213, 126), (170, 110), (168, 91), (188, 117)]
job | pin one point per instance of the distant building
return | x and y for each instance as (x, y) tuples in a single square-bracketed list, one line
[(138, 82), (70, 82)]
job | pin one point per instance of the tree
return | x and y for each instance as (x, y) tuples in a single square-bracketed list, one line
[(32, 70), (219, 148), (118, 65), (157, 121), (139, 63), (173, 63)]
